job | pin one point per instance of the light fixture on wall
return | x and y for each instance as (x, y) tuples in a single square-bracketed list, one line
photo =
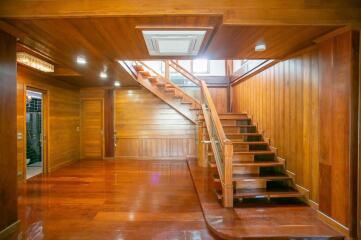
[(34, 62), (260, 47), (117, 84), (81, 60)]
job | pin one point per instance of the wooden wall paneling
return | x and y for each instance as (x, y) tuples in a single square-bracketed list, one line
[(359, 146), (147, 128), (312, 94), (354, 137), (91, 128), (335, 92), (220, 98), (63, 117), (282, 101), (8, 151)]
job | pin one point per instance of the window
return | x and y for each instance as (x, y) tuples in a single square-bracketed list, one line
[(200, 66)]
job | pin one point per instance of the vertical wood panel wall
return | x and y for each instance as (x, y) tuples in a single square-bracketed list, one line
[(63, 118), (220, 98), (8, 177), (303, 106), (147, 128)]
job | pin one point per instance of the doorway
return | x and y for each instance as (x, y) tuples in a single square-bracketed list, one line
[(91, 122), (34, 133)]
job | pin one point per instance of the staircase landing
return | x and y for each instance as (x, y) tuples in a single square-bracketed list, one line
[(269, 220)]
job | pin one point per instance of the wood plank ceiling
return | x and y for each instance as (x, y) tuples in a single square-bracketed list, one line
[(103, 40)]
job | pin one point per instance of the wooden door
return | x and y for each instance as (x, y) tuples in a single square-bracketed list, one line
[(91, 128)]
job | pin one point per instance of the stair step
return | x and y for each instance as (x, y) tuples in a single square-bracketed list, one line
[(145, 74), (254, 176), (196, 108), (260, 152), (138, 68), (160, 84), (248, 143), (250, 164), (267, 177), (177, 96), (243, 134), (186, 102), (153, 79), (286, 192), (230, 117)]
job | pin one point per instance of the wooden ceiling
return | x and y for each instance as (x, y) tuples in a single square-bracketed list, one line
[(104, 40)]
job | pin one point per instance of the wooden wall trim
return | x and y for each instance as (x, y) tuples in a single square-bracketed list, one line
[(8, 141), (11, 231)]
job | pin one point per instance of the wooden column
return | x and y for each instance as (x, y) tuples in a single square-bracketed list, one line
[(228, 175), (109, 123), (8, 162), (202, 147)]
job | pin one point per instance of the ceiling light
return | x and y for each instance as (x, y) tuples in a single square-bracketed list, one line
[(174, 43), (103, 75), (116, 84), (34, 62), (260, 47), (81, 60)]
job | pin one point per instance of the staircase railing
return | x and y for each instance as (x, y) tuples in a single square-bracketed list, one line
[(222, 147)]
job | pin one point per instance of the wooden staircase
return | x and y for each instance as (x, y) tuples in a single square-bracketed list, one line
[(164, 89), (257, 171), (241, 162)]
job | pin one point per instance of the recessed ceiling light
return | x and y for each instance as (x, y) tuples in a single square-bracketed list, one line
[(116, 84), (260, 47), (103, 75), (81, 60), (174, 42)]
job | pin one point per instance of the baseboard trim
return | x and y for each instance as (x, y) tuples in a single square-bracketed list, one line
[(60, 165), (149, 158), (10, 230), (333, 223)]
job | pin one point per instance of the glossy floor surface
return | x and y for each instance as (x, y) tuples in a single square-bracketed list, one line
[(270, 220), (112, 200)]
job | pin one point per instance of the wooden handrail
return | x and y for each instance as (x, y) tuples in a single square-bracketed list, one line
[(213, 111), (226, 176), (170, 82), (185, 73)]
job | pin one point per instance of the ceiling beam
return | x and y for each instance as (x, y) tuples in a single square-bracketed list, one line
[(245, 12)]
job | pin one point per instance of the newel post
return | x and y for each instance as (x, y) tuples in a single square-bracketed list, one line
[(202, 147), (228, 174)]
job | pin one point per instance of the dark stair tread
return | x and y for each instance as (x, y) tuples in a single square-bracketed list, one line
[(243, 134), (249, 143), (268, 176), (284, 192)]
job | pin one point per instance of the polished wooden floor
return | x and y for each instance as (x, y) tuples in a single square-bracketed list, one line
[(261, 220), (112, 200)]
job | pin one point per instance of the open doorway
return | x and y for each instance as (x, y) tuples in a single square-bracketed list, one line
[(34, 133)]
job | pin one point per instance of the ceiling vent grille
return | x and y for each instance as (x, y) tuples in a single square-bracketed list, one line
[(173, 43)]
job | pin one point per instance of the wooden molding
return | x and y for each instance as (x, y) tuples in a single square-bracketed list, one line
[(10, 231), (333, 223), (332, 34)]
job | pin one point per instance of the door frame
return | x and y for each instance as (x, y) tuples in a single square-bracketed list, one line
[(81, 127), (45, 129)]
